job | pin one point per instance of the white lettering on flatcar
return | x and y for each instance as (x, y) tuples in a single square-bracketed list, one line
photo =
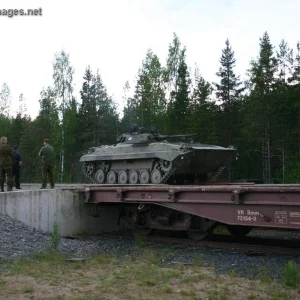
[(294, 214), (295, 223), (280, 217), (246, 218), (252, 213)]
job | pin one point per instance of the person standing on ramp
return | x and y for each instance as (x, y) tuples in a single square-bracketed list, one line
[(5, 164), (47, 155), (16, 164)]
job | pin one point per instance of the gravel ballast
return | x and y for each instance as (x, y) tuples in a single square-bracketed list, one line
[(18, 240)]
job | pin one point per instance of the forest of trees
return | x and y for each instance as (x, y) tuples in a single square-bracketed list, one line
[(259, 116)]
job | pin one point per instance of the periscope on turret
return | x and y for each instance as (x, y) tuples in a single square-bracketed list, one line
[(142, 157)]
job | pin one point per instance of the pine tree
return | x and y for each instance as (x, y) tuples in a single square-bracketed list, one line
[(262, 78), (204, 111), (228, 92), (180, 102), (87, 110), (72, 148), (97, 113), (107, 121)]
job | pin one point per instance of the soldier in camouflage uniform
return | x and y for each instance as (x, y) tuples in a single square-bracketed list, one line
[(5, 164), (47, 155)]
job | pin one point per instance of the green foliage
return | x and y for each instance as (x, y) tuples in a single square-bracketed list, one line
[(228, 92), (55, 238), (63, 88), (97, 117), (46, 125), (291, 274), (179, 104), (148, 104), (261, 104), (203, 118)]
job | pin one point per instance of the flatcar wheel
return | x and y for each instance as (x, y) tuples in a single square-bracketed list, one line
[(122, 177), (199, 228), (133, 177), (197, 235), (111, 177), (100, 176), (156, 176), (144, 177), (238, 231)]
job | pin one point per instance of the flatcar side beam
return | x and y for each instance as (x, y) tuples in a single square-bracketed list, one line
[(272, 206)]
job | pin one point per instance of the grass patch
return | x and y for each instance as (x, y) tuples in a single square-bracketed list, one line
[(2, 284), (191, 278), (197, 260), (291, 275), (142, 274), (168, 289), (217, 294), (168, 274), (232, 273), (28, 290), (279, 292), (54, 235), (264, 277)]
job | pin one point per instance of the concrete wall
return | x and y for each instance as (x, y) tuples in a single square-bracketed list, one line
[(39, 209)]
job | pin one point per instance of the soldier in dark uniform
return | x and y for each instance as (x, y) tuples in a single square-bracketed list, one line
[(5, 164), (47, 155), (16, 164)]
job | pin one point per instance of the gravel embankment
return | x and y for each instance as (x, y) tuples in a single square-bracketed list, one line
[(17, 240)]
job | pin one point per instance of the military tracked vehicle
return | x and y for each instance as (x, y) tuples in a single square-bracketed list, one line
[(141, 157)]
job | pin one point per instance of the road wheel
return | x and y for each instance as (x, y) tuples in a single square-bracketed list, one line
[(133, 177), (122, 177)]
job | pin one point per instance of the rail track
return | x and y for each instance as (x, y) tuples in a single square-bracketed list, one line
[(251, 246)]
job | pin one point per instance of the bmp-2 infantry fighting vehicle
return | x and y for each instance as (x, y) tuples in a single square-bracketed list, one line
[(142, 157)]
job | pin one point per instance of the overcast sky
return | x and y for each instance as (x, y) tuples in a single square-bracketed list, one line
[(114, 35)]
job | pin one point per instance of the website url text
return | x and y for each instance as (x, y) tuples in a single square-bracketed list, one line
[(20, 12)]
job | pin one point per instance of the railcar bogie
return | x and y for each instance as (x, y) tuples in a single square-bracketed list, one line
[(146, 217)]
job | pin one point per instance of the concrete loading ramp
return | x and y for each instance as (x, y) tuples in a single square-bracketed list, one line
[(40, 209)]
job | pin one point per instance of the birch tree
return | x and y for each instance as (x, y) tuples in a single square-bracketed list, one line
[(5, 99), (63, 86)]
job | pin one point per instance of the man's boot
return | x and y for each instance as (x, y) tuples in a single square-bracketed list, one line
[(2, 188), (9, 188)]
